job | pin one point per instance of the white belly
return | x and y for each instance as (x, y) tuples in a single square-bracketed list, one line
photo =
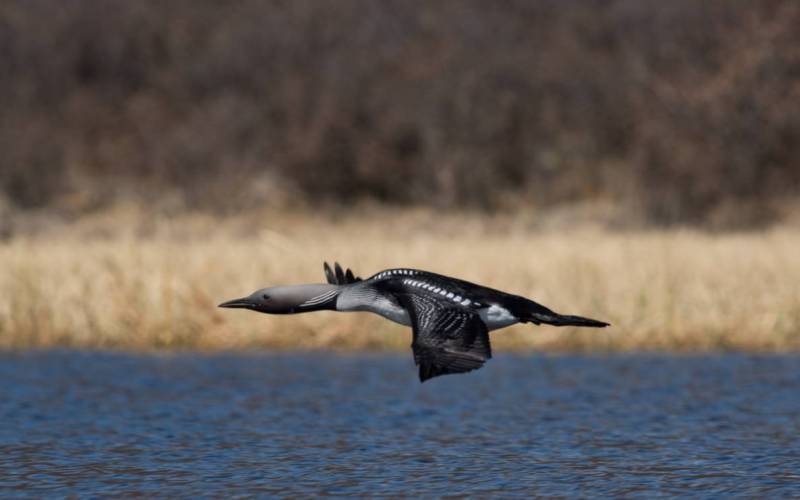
[(497, 317), (494, 316), (396, 314)]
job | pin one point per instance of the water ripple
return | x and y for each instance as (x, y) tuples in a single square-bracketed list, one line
[(303, 424)]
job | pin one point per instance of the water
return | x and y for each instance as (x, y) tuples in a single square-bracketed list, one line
[(286, 424)]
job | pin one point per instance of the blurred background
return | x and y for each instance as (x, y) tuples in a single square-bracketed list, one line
[(662, 113), (294, 128)]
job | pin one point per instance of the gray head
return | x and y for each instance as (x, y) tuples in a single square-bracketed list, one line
[(288, 299)]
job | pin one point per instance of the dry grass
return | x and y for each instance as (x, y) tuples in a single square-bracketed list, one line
[(664, 290)]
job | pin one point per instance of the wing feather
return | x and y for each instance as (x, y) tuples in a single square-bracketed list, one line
[(329, 274), (339, 273), (447, 339), (337, 276)]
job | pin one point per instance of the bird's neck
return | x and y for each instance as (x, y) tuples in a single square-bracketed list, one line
[(316, 297)]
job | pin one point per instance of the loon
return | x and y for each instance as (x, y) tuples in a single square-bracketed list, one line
[(450, 318)]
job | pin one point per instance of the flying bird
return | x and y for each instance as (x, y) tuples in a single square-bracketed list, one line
[(450, 318)]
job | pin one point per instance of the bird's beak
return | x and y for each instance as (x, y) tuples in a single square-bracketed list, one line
[(243, 303)]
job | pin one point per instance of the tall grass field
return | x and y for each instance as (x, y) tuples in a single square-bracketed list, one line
[(158, 287)]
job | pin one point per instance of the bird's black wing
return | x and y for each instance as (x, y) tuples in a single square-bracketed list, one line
[(447, 338), (339, 277), (329, 274)]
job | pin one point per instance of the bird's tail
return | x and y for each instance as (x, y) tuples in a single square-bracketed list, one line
[(567, 320), (548, 317)]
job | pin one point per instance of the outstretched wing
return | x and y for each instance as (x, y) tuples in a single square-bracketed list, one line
[(447, 338), (339, 277)]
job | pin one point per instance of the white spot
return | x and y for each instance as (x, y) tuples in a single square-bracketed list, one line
[(443, 292), (457, 298), (450, 295), (465, 302), (497, 317)]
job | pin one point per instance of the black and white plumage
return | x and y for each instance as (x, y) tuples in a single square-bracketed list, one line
[(450, 318)]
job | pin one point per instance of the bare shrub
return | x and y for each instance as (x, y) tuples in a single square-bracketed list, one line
[(689, 111)]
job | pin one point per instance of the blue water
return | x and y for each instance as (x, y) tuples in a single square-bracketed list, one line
[(95, 424)]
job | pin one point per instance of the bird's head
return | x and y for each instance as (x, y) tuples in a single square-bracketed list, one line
[(288, 299)]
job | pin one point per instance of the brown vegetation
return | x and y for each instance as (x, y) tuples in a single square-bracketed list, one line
[(678, 112), (667, 290), (433, 134)]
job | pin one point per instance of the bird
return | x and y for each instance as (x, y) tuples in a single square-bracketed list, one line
[(450, 318)]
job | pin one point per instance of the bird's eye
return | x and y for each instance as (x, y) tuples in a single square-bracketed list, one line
[(265, 296)]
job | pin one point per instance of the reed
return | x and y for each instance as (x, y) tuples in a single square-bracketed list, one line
[(673, 290)]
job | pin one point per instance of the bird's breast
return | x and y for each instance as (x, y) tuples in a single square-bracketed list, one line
[(367, 300)]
